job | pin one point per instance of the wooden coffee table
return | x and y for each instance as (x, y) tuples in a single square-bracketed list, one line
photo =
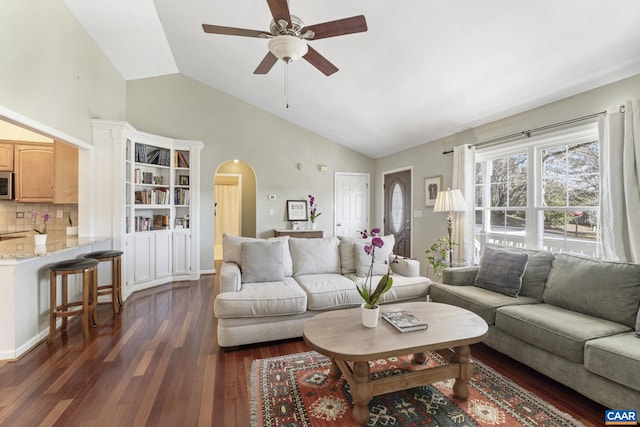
[(340, 335)]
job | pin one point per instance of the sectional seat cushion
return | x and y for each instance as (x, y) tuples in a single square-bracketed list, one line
[(609, 290), (616, 357), (557, 330), (262, 300), (638, 324), (262, 261), (481, 301), (333, 291), (381, 260), (232, 250), (315, 256), (501, 271)]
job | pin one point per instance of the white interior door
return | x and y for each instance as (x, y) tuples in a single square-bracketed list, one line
[(352, 203)]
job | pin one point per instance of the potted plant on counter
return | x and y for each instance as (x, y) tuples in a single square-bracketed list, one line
[(41, 232), (71, 229)]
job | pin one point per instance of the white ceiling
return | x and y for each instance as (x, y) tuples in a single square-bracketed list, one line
[(425, 69)]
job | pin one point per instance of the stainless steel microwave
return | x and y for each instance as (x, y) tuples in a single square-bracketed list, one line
[(6, 185)]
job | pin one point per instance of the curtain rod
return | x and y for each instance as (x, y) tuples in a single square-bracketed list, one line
[(527, 133)]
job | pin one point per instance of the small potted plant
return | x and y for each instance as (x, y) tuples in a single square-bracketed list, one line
[(71, 229), (41, 232), (438, 256), (313, 211), (370, 294)]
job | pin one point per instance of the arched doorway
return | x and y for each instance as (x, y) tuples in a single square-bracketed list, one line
[(234, 202)]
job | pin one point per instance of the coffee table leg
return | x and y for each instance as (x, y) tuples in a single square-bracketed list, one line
[(334, 371), (362, 392), (463, 359)]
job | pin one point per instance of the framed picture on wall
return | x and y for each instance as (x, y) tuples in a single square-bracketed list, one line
[(297, 210), (432, 185)]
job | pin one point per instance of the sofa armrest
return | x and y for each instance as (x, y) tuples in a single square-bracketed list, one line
[(230, 277), (460, 276), (405, 266)]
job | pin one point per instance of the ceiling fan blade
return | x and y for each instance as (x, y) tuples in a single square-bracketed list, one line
[(355, 24), (230, 31), (279, 10), (320, 62), (266, 64)]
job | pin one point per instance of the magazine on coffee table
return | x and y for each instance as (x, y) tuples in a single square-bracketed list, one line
[(404, 321)]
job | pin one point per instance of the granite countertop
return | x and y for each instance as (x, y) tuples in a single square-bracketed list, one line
[(57, 241)]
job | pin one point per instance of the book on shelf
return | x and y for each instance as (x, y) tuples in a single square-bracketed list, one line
[(404, 321), (181, 160)]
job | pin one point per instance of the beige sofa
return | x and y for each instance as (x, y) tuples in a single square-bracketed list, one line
[(270, 287), (573, 319)]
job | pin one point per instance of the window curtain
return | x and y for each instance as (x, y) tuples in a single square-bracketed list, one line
[(464, 159), (227, 215), (620, 183)]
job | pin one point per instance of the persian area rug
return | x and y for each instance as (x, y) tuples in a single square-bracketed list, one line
[(297, 391)]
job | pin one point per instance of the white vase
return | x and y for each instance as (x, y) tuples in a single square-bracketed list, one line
[(369, 316), (40, 239), (313, 226)]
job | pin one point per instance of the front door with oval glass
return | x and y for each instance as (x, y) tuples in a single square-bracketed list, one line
[(397, 210)]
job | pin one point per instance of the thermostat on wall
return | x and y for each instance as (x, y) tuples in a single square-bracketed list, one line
[(272, 196)]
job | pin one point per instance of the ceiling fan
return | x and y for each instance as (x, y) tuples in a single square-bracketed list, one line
[(289, 37)]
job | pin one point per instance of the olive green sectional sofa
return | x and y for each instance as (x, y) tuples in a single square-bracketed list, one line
[(270, 287), (571, 318)]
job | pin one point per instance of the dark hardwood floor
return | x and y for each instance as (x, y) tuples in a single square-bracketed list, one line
[(158, 364)]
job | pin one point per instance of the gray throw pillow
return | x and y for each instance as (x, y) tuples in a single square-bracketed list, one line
[(501, 271), (315, 256), (638, 324), (262, 261)]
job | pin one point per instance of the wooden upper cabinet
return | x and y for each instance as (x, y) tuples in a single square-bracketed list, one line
[(6, 156), (34, 173), (65, 178)]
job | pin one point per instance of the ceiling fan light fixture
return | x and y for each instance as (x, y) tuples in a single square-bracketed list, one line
[(288, 48)]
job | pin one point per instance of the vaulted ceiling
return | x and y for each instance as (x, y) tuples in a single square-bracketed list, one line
[(425, 69)]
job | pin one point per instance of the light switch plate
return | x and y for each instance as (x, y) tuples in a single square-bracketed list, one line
[(272, 196)]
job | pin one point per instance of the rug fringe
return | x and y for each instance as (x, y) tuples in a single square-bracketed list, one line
[(253, 401)]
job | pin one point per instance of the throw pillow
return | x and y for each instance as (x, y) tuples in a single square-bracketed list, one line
[(638, 324), (381, 260), (262, 261), (231, 250), (315, 256), (501, 271)]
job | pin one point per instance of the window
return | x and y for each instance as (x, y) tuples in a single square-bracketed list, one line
[(541, 192)]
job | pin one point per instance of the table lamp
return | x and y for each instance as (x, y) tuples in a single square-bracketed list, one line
[(450, 201)]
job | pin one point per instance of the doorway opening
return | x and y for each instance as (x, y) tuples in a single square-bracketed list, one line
[(234, 203)]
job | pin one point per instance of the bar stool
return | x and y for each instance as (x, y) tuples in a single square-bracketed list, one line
[(115, 288), (86, 307)]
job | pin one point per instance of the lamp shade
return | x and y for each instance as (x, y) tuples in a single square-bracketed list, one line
[(450, 201), (288, 48)]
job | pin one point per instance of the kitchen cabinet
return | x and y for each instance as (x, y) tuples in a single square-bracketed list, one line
[(34, 173), (6, 157), (65, 174)]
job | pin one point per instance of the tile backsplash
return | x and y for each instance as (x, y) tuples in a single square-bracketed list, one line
[(10, 223)]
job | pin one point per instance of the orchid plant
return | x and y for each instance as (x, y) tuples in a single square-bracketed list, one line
[(45, 218), (313, 209), (369, 294)]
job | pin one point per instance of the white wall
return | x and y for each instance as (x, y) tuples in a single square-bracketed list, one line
[(428, 160), (179, 107)]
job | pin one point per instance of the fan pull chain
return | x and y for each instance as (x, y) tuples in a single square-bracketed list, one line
[(286, 84)]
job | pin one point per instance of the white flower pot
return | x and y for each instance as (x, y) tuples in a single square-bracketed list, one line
[(369, 316), (72, 231), (313, 226), (40, 239)]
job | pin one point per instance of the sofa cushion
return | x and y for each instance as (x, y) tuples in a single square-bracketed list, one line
[(315, 256), (232, 250), (501, 271), (481, 301), (381, 260), (554, 329), (638, 324), (348, 255), (262, 261), (615, 357), (331, 291), (262, 300), (610, 290)]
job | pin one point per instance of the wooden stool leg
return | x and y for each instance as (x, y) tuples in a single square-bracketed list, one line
[(87, 276), (94, 296), (52, 305), (117, 284), (65, 298)]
